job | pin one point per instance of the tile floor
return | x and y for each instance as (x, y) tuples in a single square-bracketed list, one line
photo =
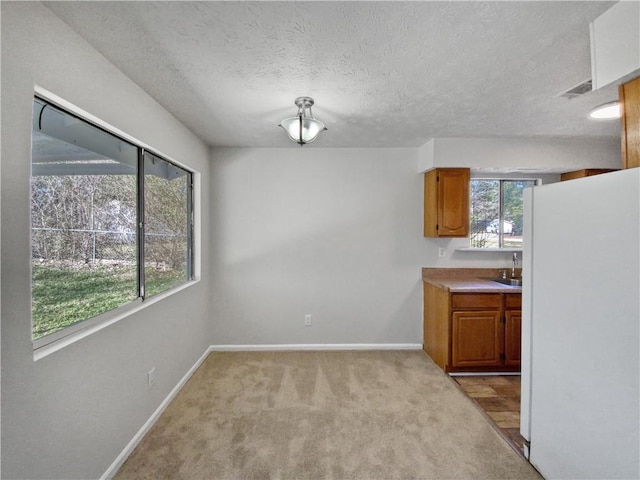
[(499, 397)]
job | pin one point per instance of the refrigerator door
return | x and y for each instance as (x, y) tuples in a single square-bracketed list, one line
[(584, 315)]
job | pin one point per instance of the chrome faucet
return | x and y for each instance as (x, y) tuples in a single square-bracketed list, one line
[(514, 263)]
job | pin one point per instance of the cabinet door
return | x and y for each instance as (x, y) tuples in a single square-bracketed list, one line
[(630, 100), (512, 337), (476, 339), (453, 202), (446, 202)]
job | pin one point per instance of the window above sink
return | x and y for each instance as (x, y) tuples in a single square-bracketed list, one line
[(496, 214)]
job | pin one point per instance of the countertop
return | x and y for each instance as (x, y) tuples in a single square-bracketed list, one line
[(467, 280)]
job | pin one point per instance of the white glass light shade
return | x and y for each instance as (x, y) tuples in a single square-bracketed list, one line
[(303, 128), (310, 129), (606, 111)]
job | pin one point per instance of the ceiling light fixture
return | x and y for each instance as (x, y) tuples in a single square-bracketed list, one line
[(303, 128), (607, 111)]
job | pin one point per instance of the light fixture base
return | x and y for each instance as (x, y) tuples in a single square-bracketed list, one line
[(304, 102)]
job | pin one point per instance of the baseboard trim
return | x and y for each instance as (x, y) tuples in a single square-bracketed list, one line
[(316, 346), (120, 459)]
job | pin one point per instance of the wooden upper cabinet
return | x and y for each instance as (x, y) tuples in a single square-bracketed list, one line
[(630, 101), (586, 172), (446, 202)]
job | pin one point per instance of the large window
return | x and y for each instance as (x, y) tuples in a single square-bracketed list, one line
[(496, 213), (111, 223)]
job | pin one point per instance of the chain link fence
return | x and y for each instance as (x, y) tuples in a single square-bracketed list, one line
[(164, 251), (79, 245)]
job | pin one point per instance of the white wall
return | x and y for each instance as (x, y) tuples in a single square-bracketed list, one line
[(335, 233), (71, 413), (521, 154)]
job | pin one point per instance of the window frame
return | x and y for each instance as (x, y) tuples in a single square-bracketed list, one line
[(50, 343), (500, 179)]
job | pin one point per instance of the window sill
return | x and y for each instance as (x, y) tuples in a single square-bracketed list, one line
[(104, 321), (491, 249)]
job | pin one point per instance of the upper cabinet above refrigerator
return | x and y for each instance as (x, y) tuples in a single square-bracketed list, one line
[(615, 44)]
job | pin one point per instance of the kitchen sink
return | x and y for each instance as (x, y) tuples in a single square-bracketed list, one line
[(516, 282)]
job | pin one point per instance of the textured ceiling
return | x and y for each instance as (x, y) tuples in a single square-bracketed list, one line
[(382, 74)]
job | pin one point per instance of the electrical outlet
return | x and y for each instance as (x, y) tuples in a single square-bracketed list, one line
[(307, 320), (442, 252), (151, 377)]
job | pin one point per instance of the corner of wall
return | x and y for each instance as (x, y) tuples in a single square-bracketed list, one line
[(426, 159)]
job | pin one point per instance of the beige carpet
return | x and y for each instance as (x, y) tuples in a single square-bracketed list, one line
[(323, 415)]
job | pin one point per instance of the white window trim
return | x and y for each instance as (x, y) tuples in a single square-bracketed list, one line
[(44, 346)]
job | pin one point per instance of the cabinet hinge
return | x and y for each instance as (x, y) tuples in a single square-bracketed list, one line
[(437, 178)]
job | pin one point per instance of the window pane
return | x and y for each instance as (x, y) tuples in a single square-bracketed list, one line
[(83, 217), (485, 213), (512, 211), (167, 236), (496, 213)]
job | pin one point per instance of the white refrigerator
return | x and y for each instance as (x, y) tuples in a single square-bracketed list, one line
[(580, 408)]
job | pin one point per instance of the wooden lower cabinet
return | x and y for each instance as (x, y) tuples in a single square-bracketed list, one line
[(475, 339), (472, 332)]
